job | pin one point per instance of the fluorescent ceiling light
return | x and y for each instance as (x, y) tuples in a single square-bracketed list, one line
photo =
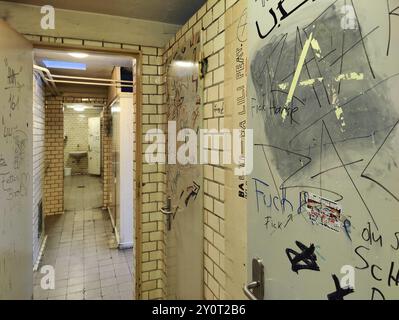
[(79, 55), (56, 64), (184, 64), (79, 108), (115, 109)]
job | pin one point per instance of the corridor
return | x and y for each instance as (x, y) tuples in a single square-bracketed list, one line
[(82, 192), (81, 247), (213, 150)]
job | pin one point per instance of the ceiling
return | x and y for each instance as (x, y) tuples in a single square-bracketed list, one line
[(98, 65), (169, 11)]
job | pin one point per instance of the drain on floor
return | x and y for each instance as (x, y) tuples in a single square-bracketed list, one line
[(81, 187)]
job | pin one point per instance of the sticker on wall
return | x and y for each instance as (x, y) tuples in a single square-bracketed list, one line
[(324, 212)]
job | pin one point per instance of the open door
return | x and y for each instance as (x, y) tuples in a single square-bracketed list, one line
[(16, 95), (324, 196), (184, 210), (94, 146)]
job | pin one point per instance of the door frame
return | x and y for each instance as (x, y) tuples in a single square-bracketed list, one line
[(137, 55)]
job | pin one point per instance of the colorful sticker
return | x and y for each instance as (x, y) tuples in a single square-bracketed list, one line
[(324, 212)]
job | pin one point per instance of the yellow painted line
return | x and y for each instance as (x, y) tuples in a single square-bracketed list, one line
[(298, 72), (316, 48), (350, 76)]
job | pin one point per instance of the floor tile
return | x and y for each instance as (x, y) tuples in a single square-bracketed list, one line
[(81, 247)]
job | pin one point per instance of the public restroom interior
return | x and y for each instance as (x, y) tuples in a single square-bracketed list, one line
[(88, 233), (309, 86)]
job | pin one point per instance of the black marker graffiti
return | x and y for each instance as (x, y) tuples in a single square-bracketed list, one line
[(394, 12), (270, 79), (396, 247), (370, 237), (340, 293), (14, 185), (349, 175), (284, 15), (374, 291), (240, 63), (20, 142), (218, 109), (3, 163), (392, 278), (12, 77), (307, 256), (337, 167), (14, 180), (366, 264), (379, 273), (194, 189), (242, 27), (263, 36), (278, 225), (242, 192), (13, 102), (367, 176)]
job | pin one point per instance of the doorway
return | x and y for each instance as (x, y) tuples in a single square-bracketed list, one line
[(83, 188), (92, 253)]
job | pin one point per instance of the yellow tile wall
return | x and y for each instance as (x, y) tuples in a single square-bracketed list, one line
[(210, 21)]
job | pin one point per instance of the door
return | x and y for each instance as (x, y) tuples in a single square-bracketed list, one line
[(16, 116), (95, 146), (324, 196), (184, 239)]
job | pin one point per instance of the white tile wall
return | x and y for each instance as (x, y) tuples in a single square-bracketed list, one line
[(76, 129), (211, 20)]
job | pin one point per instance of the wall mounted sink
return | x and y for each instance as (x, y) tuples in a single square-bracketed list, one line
[(78, 155)]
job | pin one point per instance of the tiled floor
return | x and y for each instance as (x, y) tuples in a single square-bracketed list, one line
[(81, 248), (82, 192)]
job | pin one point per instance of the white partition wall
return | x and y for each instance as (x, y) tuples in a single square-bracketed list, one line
[(126, 171), (122, 207)]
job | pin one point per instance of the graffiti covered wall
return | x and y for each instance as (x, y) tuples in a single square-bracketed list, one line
[(184, 239), (323, 197)]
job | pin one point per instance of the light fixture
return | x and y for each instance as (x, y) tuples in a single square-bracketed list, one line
[(79, 55), (79, 108), (57, 64), (115, 109), (184, 64)]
